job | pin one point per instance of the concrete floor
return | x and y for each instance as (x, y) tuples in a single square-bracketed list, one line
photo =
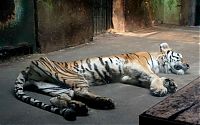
[(130, 100)]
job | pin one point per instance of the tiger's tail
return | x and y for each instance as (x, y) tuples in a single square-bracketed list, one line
[(68, 113)]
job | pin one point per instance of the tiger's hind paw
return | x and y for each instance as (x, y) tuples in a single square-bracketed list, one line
[(103, 103), (63, 101), (80, 108)]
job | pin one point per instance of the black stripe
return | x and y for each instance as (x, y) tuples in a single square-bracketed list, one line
[(51, 88), (83, 69), (171, 56), (54, 79), (107, 78), (56, 75), (110, 60), (64, 81), (107, 67), (151, 59), (17, 88), (75, 64), (17, 82), (20, 95), (23, 80), (93, 76), (136, 55), (47, 65), (174, 55), (25, 75), (38, 68), (76, 68), (117, 57), (47, 107), (120, 69), (101, 60), (88, 63), (147, 60), (57, 111), (66, 64), (128, 55), (92, 73), (28, 99), (168, 51), (96, 69)]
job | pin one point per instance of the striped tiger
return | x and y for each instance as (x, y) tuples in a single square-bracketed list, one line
[(68, 82)]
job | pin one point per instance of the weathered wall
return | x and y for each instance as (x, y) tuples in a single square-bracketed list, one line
[(63, 23), (137, 14), (118, 16), (185, 4), (7, 8), (158, 11), (172, 10), (16, 24), (190, 12)]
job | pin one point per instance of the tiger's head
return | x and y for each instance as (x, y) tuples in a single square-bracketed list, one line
[(173, 61)]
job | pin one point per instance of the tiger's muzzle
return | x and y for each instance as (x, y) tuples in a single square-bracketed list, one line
[(183, 66)]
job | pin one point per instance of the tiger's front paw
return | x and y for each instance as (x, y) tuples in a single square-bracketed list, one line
[(159, 91), (170, 85), (104, 103), (62, 101)]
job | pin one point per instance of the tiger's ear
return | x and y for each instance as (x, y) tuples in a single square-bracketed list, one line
[(164, 47)]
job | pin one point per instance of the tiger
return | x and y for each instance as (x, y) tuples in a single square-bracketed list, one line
[(68, 82)]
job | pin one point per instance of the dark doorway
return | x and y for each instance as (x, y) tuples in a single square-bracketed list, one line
[(7, 8), (102, 15), (197, 15)]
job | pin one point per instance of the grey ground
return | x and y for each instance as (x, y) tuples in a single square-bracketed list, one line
[(130, 100)]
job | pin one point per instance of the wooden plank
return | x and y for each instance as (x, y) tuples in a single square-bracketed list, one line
[(183, 107)]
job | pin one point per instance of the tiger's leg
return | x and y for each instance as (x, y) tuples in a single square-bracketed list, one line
[(75, 81), (93, 100), (158, 86), (61, 97)]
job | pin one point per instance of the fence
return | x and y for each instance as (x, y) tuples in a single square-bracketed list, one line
[(102, 15)]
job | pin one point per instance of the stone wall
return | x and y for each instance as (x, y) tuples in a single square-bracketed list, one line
[(131, 15), (137, 14), (118, 16), (63, 23)]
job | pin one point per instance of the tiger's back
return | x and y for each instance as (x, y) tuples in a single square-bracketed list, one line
[(103, 70)]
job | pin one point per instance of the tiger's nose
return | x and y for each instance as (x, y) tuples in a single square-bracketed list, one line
[(187, 65)]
